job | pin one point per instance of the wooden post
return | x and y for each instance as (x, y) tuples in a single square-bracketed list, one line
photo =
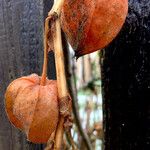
[(21, 50), (126, 83)]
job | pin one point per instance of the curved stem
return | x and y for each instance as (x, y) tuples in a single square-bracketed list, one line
[(70, 72), (44, 72), (56, 8)]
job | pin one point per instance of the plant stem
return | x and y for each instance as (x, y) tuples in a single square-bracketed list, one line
[(56, 7), (60, 69), (59, 60), (70, 72), (44, 72), (61, 79)]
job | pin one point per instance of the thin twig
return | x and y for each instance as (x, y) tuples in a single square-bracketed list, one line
[(44, 72), (73, 92)]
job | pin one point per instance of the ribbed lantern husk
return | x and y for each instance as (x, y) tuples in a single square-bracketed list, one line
[(90, 25)]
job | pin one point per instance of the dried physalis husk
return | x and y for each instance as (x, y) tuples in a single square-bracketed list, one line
[(90, 25), (33, 107)]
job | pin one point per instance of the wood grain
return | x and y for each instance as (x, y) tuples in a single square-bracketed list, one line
[(21, 52), (126, 83)]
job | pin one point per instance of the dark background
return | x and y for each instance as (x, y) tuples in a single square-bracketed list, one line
[(126, 82)]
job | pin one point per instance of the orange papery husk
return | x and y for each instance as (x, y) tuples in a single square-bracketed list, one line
[(91, 25), (33, 108)]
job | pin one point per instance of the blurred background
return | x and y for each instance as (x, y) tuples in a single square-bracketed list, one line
[(87, 84)]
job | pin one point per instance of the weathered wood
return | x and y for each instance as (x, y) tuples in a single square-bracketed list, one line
[(126, 83), (21, 44), (47, 4)]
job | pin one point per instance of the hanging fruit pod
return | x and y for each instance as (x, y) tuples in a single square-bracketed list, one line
[(32, 107), (31, 102), (90, 25)]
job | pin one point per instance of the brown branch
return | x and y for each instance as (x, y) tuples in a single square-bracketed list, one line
[(44, 72), (60, 69), (55, 29), (73, 92), (61, 80)]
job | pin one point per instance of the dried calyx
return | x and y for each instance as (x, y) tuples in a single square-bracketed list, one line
[(91, 25)]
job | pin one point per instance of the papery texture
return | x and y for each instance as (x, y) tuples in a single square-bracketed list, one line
[(33, 108), (90, 25)]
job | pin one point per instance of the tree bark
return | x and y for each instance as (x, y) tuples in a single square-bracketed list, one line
[(126, 83), (21, 53)]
